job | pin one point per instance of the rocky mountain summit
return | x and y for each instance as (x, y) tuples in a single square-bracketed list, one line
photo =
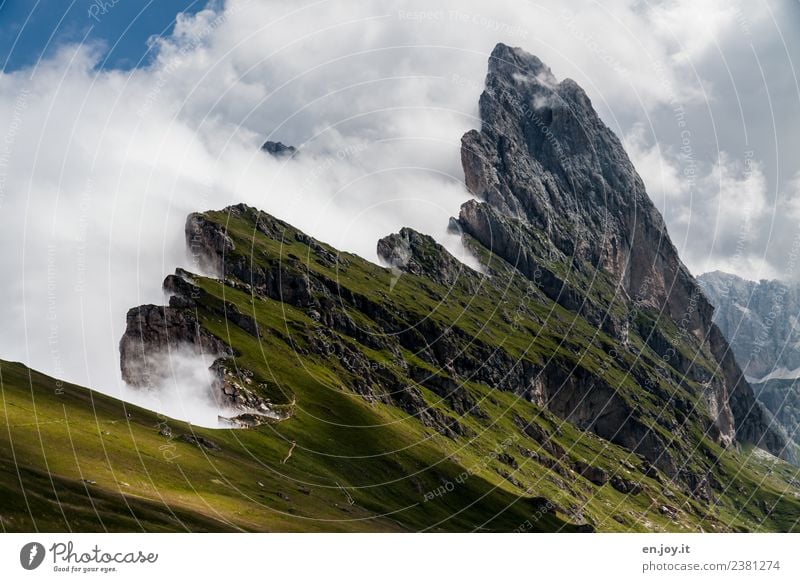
[(579, 365), (563, 203)]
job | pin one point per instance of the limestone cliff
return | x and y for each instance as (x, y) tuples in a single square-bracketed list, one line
[(560, 200)]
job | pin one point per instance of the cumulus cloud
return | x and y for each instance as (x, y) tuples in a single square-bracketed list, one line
[(721, 213), (691, 28), (101, 167)]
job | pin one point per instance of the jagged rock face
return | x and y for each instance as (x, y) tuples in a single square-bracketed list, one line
[(419, 254), (557, 188), (760, 321), (153, 333), (213, 248), (207, 244), (545, 158)]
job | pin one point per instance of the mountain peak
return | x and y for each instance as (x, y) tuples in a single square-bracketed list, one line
[(718, 275), (561, 201), (515, 63)]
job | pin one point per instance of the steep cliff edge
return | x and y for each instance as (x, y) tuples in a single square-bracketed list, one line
[(157, 338), (562, 202)]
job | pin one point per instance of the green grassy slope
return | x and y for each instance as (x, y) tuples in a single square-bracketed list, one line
[(752, 492), (480, 458), (73, 460)]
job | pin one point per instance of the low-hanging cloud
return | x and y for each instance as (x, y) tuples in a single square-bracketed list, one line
[(101, 167), (186, 389)]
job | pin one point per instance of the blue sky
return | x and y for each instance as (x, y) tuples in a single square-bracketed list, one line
[(31, 29)]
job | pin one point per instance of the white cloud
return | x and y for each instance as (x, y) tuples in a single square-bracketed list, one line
[(690, 28), (719, 214), (186, 391)]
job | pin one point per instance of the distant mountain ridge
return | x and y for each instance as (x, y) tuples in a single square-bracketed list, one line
[(761, 321)]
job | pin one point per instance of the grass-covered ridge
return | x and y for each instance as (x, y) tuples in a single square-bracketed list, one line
[(382, 436)]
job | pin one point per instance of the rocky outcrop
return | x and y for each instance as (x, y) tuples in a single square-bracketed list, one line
[(157, 335), (153, 334), (283, 279), (596, 475), (207, 244), (418, 254), (559, 199), (181, 290), (278, 149)]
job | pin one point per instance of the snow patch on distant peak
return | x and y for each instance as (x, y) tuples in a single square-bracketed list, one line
[(780, 373)]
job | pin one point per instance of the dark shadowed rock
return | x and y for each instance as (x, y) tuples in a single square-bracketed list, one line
[(154, 334), (200, 441), (596, 475), (182, 290), (278, 149), (625, 486)]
